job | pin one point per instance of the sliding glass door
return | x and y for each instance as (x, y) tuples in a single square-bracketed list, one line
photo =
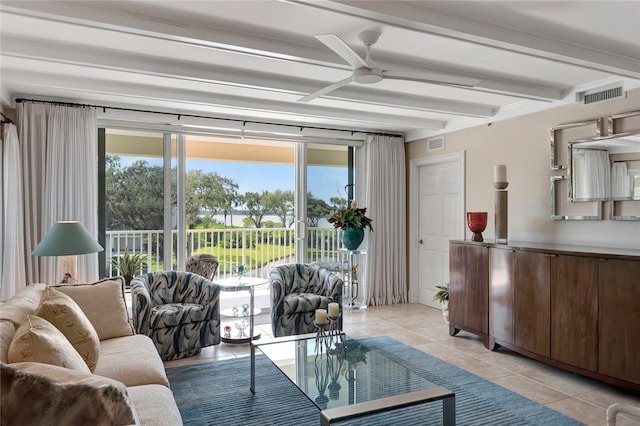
[(254, 203)]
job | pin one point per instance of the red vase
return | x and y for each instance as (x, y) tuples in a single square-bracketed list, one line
[(477, 222)]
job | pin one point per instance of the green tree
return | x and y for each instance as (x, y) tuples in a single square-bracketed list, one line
[(280, 203), (338, 202), (255, 207), (208, 193), (316, 210), (134, 198)]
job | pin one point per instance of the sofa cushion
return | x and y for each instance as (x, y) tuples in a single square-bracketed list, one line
[(22, 304), (59, 396), (7, 331), (104, 304), (174, 314), (155, 406), (65, 314), (37, 340), (132, 360)]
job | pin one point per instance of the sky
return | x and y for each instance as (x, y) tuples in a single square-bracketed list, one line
[(322, 182)]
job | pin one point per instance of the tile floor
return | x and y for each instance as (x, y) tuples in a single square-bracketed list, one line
[(424, 328)]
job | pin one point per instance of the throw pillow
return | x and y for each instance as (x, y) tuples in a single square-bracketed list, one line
[(59, 396), (104, 304), (22, 304), (36, 340), (65, 314)]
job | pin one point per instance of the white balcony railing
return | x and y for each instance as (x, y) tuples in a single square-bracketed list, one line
[(258, 249)]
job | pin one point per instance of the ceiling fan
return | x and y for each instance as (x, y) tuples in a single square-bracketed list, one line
[(366, 72)]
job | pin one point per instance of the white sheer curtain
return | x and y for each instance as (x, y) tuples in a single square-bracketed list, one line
[(59, 159), (620, 180), (13, 276), (381, 181), (592, 173)]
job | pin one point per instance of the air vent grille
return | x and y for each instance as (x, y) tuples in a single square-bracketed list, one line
[(435, 144), (602, 94)]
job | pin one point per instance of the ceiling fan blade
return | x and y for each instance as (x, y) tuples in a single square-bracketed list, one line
[(326, 90), (432, 77), (343, 50)]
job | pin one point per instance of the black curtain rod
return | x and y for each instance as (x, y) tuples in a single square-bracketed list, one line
[(104, 108), (5, 120)]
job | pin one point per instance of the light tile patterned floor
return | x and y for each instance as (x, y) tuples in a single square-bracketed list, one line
[(424, 328)]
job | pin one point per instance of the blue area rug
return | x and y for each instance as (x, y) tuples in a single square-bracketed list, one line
[(218, 393)]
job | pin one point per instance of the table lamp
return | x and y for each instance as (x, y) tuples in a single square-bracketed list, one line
[(67, 239)]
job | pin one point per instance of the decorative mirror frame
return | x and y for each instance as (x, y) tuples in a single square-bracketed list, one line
[(552, 138), (554, 211), (611, 121), (555, 215)]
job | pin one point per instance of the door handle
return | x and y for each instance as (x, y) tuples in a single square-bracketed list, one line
[(420, 241)]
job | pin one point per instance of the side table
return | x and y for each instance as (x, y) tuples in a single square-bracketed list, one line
[(351, 284), (242, 284)]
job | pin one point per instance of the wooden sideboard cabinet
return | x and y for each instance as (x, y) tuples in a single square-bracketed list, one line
[(576, 308), (519, 299), (574, 311), (469, 289), (619, 319)]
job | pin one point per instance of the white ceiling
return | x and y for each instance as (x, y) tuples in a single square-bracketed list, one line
[(253, 60)]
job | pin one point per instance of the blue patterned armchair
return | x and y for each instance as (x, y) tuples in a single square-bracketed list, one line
[(179, 311), (297, 290)]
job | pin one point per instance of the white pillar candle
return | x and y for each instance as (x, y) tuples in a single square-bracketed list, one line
[(334, 309), (500, 173), (321, 316)]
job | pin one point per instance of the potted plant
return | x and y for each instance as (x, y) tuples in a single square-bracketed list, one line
[(353, 222), (129, 265), (442, 296)]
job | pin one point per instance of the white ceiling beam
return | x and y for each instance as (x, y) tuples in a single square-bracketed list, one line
[(226, 105), (97, 58), (228, 40), (418, 17)]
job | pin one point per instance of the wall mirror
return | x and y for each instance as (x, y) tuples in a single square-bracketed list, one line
[(600, 170), (605, 168)]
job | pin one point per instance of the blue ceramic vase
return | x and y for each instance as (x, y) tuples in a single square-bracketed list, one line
[(352, 237)]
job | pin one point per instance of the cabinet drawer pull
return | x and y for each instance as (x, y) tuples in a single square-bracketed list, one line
[(550, 255)]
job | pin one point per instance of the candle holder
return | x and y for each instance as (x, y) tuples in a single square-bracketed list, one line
[(502, 211), (321, 329), (334, 324)]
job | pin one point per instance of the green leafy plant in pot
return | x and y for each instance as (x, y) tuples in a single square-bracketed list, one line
[(352, 221), (129, 265), (442, 296)]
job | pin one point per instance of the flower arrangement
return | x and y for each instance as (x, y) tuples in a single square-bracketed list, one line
[(351, 216)]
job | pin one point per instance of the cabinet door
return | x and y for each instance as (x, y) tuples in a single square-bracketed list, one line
[(532, 302), (468, 287), (574, 311), (501, 294), (619, 282)]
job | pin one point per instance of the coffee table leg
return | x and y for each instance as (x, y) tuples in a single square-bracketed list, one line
[(253, 368), (449, 411)]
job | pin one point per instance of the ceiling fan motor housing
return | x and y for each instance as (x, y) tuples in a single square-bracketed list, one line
[(367, 75)]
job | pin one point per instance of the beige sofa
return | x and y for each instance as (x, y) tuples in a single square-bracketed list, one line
[(125, 382)]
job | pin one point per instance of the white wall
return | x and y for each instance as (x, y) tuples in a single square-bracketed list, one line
[(522, 143)]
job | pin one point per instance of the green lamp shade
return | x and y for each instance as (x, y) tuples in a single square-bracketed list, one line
[(67, 238)]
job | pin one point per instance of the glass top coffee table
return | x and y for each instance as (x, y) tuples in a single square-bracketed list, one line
[(345, 379)]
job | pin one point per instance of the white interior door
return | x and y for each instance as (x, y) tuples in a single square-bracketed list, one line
[(438, 208)]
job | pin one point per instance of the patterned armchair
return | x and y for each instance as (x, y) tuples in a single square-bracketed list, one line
[(204, 264), (297, 290), (180, 311)]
